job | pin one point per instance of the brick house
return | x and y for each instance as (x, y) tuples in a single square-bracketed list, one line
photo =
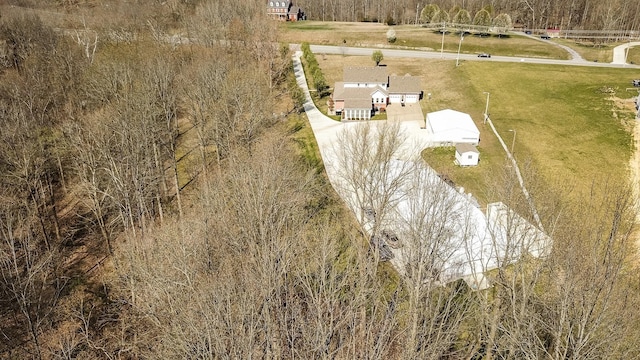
[(284, 11)]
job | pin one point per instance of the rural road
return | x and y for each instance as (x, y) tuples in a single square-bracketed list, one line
[(343, 50)]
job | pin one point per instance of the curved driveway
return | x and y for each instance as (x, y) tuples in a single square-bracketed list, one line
[(475, 251), (326, 130)]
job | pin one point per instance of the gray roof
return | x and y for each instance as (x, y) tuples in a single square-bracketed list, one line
[(404, 84), (358, 98), (357, 103), (294, 10), (463, 148), (338, 91), (372, 75)]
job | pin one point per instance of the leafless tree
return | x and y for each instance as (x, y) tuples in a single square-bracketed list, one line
[(369, 180), (434, 224), (29, 284)]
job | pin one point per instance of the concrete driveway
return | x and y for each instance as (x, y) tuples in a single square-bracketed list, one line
[(409, 112), (620, 52), (326, 130), (475, 249)]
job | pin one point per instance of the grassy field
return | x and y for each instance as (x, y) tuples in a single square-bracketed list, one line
[(634, 57), (571, 122), (600, 52), (589, 51), (374, 35)]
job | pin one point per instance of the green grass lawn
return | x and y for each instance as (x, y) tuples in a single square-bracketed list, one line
[(572, 123), (633, 57)]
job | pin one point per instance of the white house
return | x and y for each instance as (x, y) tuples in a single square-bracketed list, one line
[(374, 84), (449, 127), (467, 155)]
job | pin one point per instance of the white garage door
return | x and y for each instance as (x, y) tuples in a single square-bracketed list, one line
[(411, 99), (395, 99)]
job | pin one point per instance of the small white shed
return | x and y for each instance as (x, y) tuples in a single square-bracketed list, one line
[(467, 155), (449, 127)]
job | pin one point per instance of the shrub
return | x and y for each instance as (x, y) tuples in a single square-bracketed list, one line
[(389, 20), (391, 36)]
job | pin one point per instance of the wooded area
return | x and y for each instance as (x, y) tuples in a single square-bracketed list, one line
[(160, 200), (533, 14)]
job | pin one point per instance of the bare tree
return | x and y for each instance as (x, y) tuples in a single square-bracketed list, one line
[(368, 181), (434, 224), (29, 285)]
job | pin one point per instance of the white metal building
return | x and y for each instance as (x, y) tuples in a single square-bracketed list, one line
[(450, 127)]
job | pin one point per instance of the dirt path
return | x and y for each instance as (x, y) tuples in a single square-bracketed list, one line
[(634, 163), (628, 106)]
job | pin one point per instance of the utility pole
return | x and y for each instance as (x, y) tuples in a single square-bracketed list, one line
[(486, 108), (444, 29), (513, 142), (459, 46)]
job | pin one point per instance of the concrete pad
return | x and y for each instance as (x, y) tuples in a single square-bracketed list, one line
[(409, 112)]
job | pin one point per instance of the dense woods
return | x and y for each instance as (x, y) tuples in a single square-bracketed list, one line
[(534, 14), (159, 200)]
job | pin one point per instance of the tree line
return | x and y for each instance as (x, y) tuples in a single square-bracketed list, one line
[(532, 14), (156, 204)]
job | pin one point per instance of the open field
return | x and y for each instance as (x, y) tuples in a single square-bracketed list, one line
[(634, 57), (573, 126), (374, 35)]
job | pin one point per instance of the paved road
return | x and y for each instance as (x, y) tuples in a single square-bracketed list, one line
[(326, 49)]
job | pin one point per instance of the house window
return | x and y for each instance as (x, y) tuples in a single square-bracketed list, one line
[(470, 157), (271, 4), (277, 3)]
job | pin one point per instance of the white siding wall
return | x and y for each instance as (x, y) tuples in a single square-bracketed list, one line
[(379, 98), (453, 136), (468, 158), (371, 85)]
